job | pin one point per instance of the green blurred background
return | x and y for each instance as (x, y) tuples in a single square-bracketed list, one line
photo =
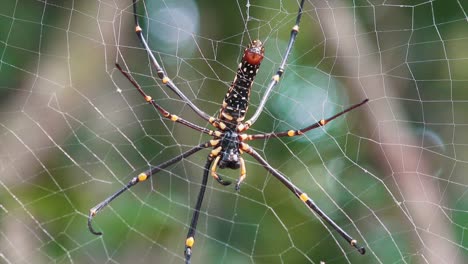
[(73, 131)]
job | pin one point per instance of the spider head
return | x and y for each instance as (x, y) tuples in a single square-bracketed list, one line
[(230, 151), (253, 54)]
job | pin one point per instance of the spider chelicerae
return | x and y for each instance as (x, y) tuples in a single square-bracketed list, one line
[(228, 141)]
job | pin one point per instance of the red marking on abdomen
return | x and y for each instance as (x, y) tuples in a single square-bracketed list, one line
[(252, 57)]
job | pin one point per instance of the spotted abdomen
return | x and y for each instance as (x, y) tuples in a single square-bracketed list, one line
[(236, 101)]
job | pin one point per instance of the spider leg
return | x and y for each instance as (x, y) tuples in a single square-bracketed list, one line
[(292, 133), (141, 177), (243, 173), (193, 225), (302, 196), (163, 111), (215, 175), (161, 73), (279, 72)]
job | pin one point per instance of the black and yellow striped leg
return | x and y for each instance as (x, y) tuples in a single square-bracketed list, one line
[(215, 175), (163, 111), (189, 242), (141, 177), (159, 70), (303, 197), (243, 173), (292, 133)]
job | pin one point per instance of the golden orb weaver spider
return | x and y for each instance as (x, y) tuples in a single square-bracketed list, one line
[(228, 141)]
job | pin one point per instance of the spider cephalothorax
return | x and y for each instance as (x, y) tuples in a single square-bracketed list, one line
[(228, 142), (230, 154)]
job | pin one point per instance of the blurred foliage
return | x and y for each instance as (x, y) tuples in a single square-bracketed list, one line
[(264, 223)]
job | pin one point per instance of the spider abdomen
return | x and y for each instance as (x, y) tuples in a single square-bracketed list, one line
[(236, 101)]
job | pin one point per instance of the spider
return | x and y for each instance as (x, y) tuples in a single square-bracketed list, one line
[(228, 142)]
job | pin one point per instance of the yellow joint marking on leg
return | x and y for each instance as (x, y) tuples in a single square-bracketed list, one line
[(291, 133), (295, 28), (189, 242), (148, 98), (322, 122), (212, 120), (142, 177), (214, 142), (243, 170), (222, 125), (245, 147), (243, 127), (92, 212), (227, 116), (165, 79), (215, 152), (304, 197), (241, 179), (214, 167), (138, 29), (353, 242), (243, 136), (276, 78), (224, 104), (217, 133), (174, 118)]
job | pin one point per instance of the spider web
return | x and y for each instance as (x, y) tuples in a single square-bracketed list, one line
[(73, 131)]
